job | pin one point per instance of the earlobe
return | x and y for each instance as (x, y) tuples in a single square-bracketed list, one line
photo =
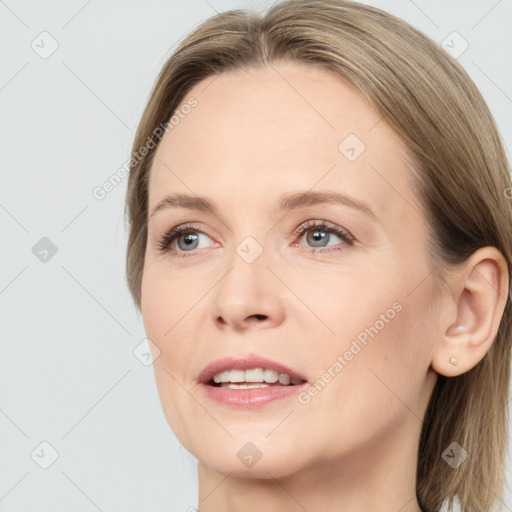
[(479, 290)]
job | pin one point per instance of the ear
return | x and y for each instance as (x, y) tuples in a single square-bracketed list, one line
[(479, 292)]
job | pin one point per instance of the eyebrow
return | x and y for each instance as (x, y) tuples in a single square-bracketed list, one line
[(287, 202)]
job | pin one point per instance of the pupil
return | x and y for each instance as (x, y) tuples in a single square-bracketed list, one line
[(318, 236), (190, 239)]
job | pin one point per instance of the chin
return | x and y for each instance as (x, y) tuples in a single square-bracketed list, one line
[(262, 470), (245, 459)]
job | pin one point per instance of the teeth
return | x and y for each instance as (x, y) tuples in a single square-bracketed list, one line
[(236, 376), (250, 385), (222, 377), (254, 375), (271, 376), (284, 379)]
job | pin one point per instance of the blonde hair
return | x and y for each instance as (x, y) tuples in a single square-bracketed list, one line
[(461, 177)]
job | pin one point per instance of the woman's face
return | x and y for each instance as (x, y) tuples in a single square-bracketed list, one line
[(353, 311)]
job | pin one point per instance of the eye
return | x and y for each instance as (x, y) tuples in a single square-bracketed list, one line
[(186, 237), (320, 233)]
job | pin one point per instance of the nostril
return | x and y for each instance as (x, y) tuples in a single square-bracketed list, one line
[(257, 318)]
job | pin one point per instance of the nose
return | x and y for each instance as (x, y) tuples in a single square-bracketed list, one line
[(247, 297)]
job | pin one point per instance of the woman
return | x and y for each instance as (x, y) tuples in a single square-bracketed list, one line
[(320, 247)]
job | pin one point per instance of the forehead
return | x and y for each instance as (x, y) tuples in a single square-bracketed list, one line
[(255, 134)]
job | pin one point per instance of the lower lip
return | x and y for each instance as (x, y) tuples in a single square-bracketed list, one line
[(253, 397)]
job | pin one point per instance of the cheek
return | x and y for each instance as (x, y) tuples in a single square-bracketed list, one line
[(366, 389), (164, 304), (389, 370), (381, 344), (352, 305), (164, 313), (165, 299)]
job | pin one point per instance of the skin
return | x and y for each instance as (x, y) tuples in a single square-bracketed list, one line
[(253, 136)]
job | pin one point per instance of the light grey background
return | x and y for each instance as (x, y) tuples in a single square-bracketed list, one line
[(68, 374)]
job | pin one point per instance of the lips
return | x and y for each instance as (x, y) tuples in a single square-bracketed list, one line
[(244, 363)]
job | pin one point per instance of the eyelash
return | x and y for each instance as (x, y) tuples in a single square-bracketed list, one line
[(169, 237)]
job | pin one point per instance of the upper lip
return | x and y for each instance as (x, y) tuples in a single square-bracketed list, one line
[(244, 363)]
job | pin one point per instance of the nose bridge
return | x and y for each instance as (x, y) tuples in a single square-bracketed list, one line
[(248, 274), (248, 291)]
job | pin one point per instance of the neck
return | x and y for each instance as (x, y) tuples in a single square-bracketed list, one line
[(380, 477)]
